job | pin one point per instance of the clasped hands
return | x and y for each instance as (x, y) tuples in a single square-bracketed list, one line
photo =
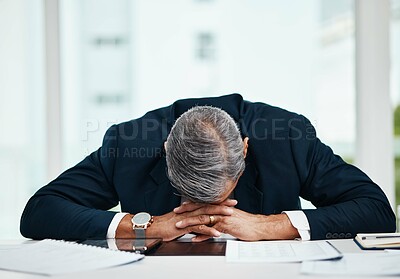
[(204, 220), (193, 218), (211, 220)]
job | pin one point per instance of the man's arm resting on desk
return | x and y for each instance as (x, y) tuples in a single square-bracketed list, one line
[(289, 225), (347, 201)]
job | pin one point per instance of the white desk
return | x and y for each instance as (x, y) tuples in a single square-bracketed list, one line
[(192, 267)]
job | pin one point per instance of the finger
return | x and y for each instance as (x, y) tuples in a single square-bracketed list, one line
[(222, 227), (191, 206), (197, 220), (229, 202), (188, 206), (201, 208), (200, 238), (213, 210), (203, 230)]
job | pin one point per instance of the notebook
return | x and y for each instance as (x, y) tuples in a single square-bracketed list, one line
[(377, 241), (53, 257)]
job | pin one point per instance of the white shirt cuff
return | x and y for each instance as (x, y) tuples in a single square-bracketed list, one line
[(111, 244), (112, 228), (300, 222)]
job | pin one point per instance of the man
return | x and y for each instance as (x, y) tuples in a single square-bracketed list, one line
[(210, 166)]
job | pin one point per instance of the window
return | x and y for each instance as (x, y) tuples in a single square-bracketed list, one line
[(395, 87), (206, 48), (22, 109)]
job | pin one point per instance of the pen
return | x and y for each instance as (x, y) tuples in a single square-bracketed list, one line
[(380, 237)]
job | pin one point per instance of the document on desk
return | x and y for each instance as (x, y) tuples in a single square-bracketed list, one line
[(279, 251), (373, 264), (4, 248), (51, 257)]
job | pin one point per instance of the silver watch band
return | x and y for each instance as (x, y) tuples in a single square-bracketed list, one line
[(139, 245), (140, 233)]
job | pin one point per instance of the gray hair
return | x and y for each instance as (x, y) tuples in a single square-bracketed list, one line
[(204, 150)]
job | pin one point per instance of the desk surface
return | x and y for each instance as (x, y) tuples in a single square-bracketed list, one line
[(193, 267)]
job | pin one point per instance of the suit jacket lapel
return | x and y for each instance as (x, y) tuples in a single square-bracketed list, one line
[(161, 198)]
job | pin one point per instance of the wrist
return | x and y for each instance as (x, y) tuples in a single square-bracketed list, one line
[(124, 229), (153, 231), (279, 227)]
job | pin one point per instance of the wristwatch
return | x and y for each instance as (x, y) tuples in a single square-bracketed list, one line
[(140, 222)]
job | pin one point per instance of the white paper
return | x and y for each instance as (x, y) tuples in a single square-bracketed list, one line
[(50, 257), (356, 264), (279, 251), (8, 247)]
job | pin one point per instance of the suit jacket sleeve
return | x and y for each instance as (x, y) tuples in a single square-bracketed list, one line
[(74, 205), (347, 201)]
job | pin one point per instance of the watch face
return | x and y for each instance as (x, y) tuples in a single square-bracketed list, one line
[(141, 218)]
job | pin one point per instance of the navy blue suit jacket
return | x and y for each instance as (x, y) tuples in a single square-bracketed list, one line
[(285, 161)]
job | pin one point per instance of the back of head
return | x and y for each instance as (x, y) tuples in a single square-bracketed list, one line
[(204, 151)]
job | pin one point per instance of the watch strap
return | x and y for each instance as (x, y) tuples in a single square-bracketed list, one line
[(140, 233), (139, 245)]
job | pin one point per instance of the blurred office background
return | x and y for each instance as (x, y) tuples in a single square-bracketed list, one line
[(113, 60)]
